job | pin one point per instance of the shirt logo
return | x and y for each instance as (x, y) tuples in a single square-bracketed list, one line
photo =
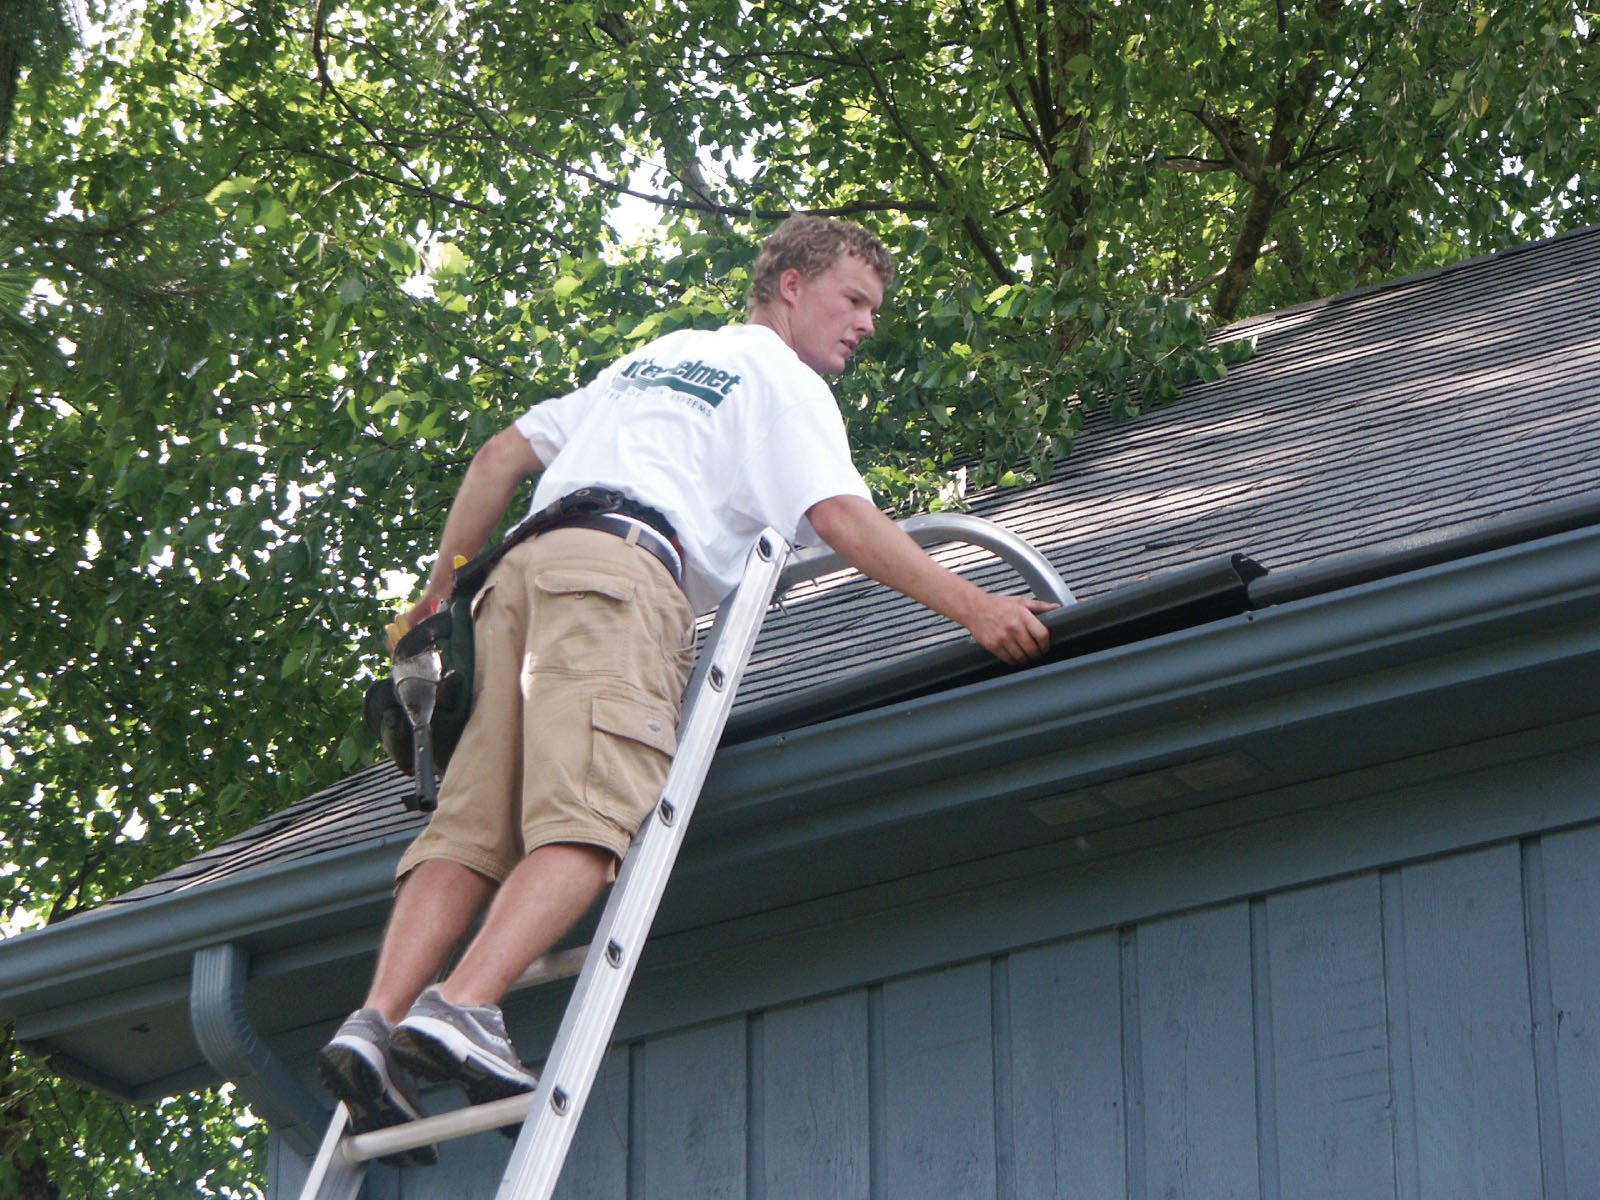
[(692, 377)]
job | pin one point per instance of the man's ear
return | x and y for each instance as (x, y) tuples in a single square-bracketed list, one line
[(790, 284)]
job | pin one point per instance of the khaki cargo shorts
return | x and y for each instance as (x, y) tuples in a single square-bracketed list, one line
[(584, 645)]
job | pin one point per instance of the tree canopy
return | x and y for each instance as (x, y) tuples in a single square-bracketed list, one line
[(270, 272)]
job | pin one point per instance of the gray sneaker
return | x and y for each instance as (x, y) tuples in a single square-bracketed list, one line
[(467, 1046), (357, 1067)]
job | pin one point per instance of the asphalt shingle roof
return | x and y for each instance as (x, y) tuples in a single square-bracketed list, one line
[(1412, 408)]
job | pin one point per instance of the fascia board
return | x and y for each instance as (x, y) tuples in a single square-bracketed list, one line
[(1235, 661), (153, 941)]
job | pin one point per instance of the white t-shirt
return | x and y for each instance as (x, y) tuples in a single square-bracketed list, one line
[(723, 431)]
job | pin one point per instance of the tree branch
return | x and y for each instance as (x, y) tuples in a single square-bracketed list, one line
[(980, 240), (611, 186), (60, 909), (1267, 172), (1192, 165), (1194, 289), (1239, 148)]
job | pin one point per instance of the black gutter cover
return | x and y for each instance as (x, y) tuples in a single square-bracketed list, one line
[(1193, 595), (1425, 550)]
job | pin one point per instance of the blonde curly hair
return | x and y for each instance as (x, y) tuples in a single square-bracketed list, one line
[(812, 245)]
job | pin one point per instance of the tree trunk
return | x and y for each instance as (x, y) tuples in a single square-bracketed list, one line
[(1246, 250), (1266, 171), (1072, 31)]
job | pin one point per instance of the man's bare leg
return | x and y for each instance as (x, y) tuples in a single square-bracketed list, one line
[(434, 908), (536, 905)]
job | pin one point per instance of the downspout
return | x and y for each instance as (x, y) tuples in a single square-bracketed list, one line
[(222, 1028)]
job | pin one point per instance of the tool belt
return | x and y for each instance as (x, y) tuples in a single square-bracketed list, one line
[(448, 634)]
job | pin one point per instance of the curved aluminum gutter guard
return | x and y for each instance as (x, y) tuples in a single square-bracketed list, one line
[(1227, 585), (927, 529), (1426, 549)]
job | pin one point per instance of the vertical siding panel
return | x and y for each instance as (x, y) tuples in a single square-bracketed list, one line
[(1471, 1027), (1134, 1158), (814, 1083), (286, 1170), (1005, 1140), (1324, 961), (755, 1107), (469, 1166), (1066, 1064), (1572, 910), (1198, 1049), (1551, 1152), (1402, 1073), (1268, 1175), (938, 1086), (638, 1129), (597, 1165), (694, 1114)]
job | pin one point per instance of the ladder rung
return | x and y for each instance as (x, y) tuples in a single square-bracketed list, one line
[(547, 968), (462, 1122), (444, 1127)]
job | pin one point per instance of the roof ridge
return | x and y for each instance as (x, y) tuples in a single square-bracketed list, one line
[(1232, 331)]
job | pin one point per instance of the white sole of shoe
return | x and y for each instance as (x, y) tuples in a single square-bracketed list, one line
[(439, 1051)]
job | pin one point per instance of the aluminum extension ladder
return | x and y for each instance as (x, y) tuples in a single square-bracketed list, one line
[(550, 1114)]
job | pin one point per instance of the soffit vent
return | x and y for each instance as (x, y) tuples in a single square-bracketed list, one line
[(1174, 786)]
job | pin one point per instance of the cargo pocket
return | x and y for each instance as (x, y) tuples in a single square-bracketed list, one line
[(634, 742), (580, 622)]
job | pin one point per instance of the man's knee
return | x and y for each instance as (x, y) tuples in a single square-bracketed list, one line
[(443, 876)]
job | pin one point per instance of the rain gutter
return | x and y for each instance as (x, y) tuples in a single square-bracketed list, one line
[(1226, 585)]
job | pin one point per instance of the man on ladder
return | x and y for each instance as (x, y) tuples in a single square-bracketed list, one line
[(584, 640)]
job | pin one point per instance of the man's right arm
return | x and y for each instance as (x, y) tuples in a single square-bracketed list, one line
[(491, 482), (1006, 626)]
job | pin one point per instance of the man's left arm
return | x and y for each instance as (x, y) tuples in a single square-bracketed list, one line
[(864, 537)]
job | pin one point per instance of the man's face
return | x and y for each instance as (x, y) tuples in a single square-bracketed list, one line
[(831, 314)]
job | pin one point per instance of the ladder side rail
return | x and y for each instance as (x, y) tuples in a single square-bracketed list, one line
[(927, 529), (702, 661), (335, 1173), (591, 1015)]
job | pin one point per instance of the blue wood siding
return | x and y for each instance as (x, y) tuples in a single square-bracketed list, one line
[(694, 1092), (1323, 1047), (1427, 1029), (812, 1100), (1458, 933), (1068, 1128), (1569, 1015), (597, 1164)]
